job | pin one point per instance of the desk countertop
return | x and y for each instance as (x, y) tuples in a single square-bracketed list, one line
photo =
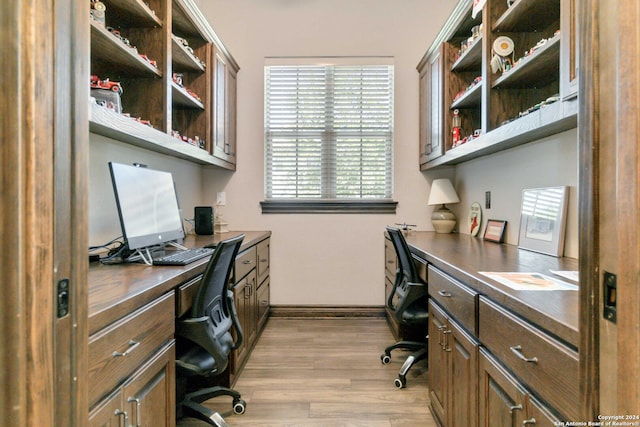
[(464, 257), (116, 290)]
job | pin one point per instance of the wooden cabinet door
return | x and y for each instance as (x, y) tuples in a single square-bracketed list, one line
[(252, 309), (262, 301), (109, 412), (432, 140), (501, 399), (150, 394), (219, 103), (569, 49), (437, 362), (462, 371), (230, 114)]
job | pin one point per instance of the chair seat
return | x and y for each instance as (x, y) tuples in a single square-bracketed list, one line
[(196, 361), (416, 314)]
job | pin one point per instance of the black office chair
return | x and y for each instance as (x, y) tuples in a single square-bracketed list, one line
[(203, 337), (410, 307)]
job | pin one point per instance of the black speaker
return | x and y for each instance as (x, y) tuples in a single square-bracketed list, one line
[(204, 220)]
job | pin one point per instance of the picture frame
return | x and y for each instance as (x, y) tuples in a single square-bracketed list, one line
[(543, 220), (494, 230)]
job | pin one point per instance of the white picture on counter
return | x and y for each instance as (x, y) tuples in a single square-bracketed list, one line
[(543, 219), (520, 281)]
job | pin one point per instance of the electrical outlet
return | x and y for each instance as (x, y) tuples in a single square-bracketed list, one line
[(487, 199), (221, 198)]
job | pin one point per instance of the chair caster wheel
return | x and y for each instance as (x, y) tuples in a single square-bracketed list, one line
[(239, 406), (400, 382), (385, 358)]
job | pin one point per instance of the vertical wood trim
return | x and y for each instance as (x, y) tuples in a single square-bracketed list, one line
[(12, 321), (588, 217), (36, 231), (628, 214)]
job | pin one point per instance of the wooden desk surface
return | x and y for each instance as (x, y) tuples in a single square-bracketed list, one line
[(464, 257), (117, 290)]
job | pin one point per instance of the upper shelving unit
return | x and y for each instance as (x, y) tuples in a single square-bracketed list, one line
[(167, 77), (528, 99)]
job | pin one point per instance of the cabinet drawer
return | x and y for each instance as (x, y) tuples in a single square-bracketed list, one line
[(547, 366), (185, 294), (245, 262), (117, 350), (459, 300), (263, 260), (390, 262)]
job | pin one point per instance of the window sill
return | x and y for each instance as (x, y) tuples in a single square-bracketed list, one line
[(329, 206)]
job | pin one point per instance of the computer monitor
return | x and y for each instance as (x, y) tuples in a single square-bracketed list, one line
[(147, 205)]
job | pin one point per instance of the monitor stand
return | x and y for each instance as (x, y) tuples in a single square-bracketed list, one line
[(144, 254)]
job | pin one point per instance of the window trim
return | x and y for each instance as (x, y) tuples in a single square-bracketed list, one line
[(329, 205), (325, 206)]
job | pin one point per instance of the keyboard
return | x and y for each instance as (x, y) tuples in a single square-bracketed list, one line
[(182, 257)]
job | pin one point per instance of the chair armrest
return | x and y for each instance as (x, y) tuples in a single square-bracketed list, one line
[(201, 332), (235, 321)]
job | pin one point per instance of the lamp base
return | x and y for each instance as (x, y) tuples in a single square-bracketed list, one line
[(443, 220)]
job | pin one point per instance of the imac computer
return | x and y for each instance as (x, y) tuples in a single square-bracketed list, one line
[(148, 210)]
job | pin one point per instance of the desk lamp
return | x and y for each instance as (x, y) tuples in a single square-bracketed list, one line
[(442, 192)]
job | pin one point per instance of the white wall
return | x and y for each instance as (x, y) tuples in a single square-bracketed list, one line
[(323, 259), (335, 259)]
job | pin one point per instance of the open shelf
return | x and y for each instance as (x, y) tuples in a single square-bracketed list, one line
[(108, 123), (134, 13), (471, 58), (107, 48), (552, 119), (182, 98), (471, 98), (538, 68), (182, 59), (527, 16)]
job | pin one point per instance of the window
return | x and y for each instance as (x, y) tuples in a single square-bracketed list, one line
[(329, 138)]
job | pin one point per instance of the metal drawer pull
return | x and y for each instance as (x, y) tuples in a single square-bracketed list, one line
[(246, 261), (444, 293), (517, 350), (132, 345), (264, 260), (530, 421), (446, 340), (119, 413), (514, 407), (137, 402)]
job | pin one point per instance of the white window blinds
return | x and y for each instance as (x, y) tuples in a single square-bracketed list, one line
[(329, 132)]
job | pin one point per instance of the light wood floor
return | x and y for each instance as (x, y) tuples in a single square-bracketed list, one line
[(326, 372)]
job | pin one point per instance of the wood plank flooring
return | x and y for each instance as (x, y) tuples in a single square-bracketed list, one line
[(326, 372)]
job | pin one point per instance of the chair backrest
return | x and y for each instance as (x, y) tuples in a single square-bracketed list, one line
[(408, 288), (212, 293), (407, 266)]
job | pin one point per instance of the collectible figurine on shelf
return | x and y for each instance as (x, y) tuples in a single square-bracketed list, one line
[(456, 130), (98, 10)]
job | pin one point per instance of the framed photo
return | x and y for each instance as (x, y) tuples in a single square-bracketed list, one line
[(494, 232), (543, 219), (475, 218)]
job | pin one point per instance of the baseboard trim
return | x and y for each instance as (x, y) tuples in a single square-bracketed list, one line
[(321, 311)]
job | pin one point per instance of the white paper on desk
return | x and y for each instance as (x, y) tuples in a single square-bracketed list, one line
[(567, 274), (521, 281)]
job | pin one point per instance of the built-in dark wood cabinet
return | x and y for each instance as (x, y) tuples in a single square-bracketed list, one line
[(178, 80), (531, 97)]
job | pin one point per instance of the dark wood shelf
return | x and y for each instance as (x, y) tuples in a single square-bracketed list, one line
[(549, 120), (107, 48), (182, 59), (108, 123), (471, 98), (132, 13), (182, 98), (539, 68), (471, 58), (528, 16)]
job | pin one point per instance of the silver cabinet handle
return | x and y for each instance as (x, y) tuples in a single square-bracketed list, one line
[(137, 402), (530, 421), (444, 293), (514, 408), (446, 340), (132, 346), (517, 350), (120, 413), (246, 261)]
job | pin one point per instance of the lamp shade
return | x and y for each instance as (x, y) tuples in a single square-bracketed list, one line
[(442, 192)]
